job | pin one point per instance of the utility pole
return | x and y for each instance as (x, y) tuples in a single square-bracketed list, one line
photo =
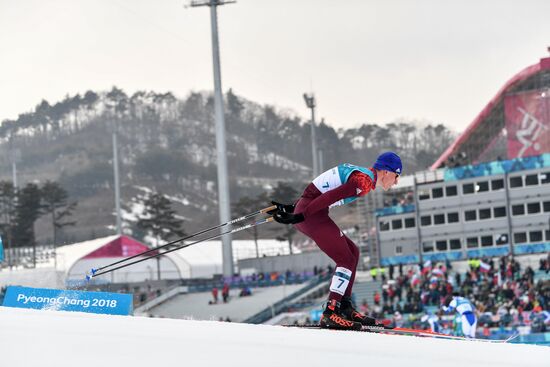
[(310, 103), (15, 156), (223, 182), (117, 180)]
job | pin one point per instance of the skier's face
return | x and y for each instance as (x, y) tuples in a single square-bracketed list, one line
[(388, 179)]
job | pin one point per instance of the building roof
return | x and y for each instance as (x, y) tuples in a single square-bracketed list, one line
[(115, 246)]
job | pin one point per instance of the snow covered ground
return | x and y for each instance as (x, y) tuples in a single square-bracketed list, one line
[(238, 308), (52, 338)]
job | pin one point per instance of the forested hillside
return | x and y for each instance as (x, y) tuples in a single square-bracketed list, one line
[(168, 145)]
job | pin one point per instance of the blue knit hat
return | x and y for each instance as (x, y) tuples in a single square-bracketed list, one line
[(388, 161)]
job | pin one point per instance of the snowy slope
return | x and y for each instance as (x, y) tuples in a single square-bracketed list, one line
[(50, 338)]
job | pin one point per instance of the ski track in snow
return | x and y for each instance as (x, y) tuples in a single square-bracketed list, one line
[(55, 338)]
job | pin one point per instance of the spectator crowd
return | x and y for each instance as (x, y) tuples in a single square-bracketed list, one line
[(502, 292)]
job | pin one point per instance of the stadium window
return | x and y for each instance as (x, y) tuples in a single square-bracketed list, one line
[(470, 215), (531, 180), (485, 213), (468, 188), (428, 246), (501, 239), (516, 181), (426, 221), (544, 177), (482, 186), (486, 241), (441, 245), (455, 244), (520, 237), (499, 211), (535, 236), (546, 206), (547, 234), (384, 226), (396, 224), (398, 250), (423, 194), (452, 217), (518, 209), (533, 208), (437, 192), (410, 222), (439, 218), (451, 191), (472, 242), (497, 184)]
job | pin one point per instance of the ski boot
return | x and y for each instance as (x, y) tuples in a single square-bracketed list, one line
[(350, 313), (333, 318)]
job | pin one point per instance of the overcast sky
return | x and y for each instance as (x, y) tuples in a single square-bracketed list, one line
[(365, 60)]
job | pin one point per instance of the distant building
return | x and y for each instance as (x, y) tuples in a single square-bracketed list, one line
[(490, 209)]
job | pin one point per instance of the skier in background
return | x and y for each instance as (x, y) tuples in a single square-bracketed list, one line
[(466, 310), (337, 186)]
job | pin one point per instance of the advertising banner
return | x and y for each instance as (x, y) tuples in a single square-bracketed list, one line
[(68, 300), (527, 123)]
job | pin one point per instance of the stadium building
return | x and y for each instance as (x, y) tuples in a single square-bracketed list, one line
[(488, 194), (490, 209)]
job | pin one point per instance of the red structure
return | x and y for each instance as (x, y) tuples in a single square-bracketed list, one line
[(123, 246), (515, 123)]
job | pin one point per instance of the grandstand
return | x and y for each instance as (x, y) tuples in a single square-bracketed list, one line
[(511, 296)]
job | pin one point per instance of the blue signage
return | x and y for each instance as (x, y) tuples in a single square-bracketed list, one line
[(497, 167), (67, 300), (397, 209), (315, 315)]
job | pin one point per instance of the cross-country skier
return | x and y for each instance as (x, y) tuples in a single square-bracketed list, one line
[(339, 185), (466, 310)]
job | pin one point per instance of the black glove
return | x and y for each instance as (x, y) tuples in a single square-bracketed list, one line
[(286, 208), (288, 218)]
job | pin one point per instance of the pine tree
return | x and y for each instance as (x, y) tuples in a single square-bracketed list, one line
[(160, 220), (284, 193), (27, 211), (54, 200), (7, 216), (247, 205)]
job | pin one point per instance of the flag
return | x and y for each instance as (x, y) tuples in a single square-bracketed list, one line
[(415, 280), (427, 268), (484, 267)]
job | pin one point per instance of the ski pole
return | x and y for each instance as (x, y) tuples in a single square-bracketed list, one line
[(250, 225), (240, 219)]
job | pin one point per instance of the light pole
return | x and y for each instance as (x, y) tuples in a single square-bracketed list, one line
[(15, 156), (310, 103), (117, 180), (223, 184)]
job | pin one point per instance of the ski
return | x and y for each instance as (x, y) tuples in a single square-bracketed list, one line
[(381, 329)]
